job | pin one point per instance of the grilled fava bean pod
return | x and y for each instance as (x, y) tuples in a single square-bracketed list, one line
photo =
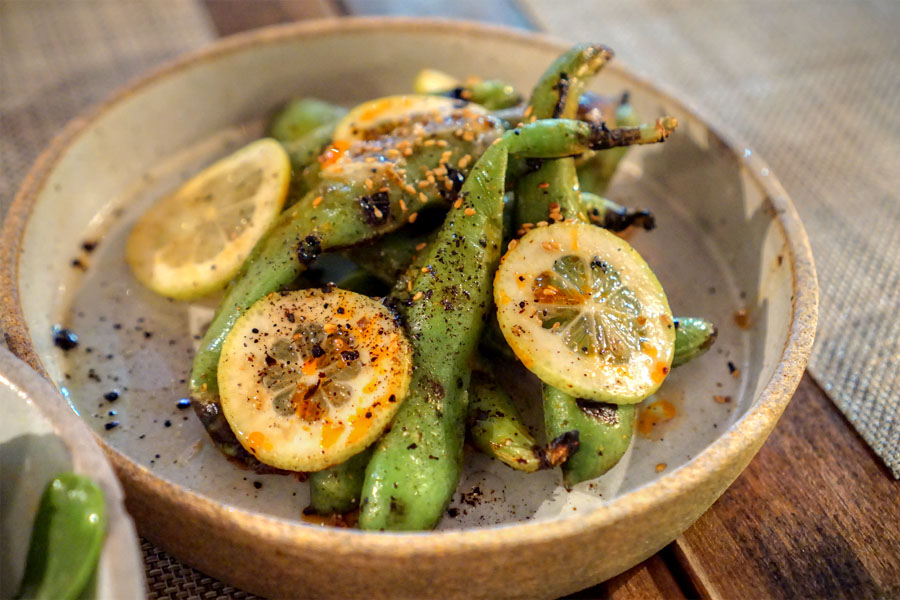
[(354, 201), (552, 192), (66, 539), (302, 116), (615, 217), (337, 490), (496, 429), (693, 337), (604, 432), (416, 466), (493, 94), (556, 95), (596, 169)]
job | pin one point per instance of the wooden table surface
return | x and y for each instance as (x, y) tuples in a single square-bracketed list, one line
[(815, 515)]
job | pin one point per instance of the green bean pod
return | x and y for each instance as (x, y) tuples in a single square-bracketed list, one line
[(493, 94), (303, 153), (417, 464), (496, 429), (605, 431), (337, 490), (595, 170), (343, 210), (605, 213), (391, 255), (299, 117), (66, 539), (693, 337), (554, 185)]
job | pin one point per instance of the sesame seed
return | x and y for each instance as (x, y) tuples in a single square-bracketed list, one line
[(513, 244), (469, 211), (402, 204), (417, 296), (426, 269), (542, 223), (377, 212), (544, 185), (458, 203), (329, 327), (661, 467), (423, 197), (317, 201), (413, 217), (420, 246)]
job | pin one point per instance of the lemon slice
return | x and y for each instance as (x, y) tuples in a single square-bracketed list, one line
[(432, 81), (309, 378), (370, 118), (193, 241), (582, 310)]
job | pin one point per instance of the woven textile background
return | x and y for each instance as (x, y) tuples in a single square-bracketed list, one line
[(813, 86)]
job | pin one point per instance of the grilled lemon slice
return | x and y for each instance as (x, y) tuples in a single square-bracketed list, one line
[(369, 118), (193, 241), (583, 311), (309, 378)]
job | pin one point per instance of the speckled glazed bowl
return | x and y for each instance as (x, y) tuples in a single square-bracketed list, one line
[(728, 239)]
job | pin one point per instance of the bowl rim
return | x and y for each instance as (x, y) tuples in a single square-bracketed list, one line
[(120, 565), (741, 437)]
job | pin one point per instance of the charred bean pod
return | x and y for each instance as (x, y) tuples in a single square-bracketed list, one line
[(337, 490), (353, 202), (693, 337), (604, 432)]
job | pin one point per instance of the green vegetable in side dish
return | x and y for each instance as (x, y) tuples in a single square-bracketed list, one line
[(66, 540)]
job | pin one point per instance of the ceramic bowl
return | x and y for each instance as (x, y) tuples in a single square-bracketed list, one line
[(40, 437), (728, 239)]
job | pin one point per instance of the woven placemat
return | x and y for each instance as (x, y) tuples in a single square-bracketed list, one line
[(814, 87)]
